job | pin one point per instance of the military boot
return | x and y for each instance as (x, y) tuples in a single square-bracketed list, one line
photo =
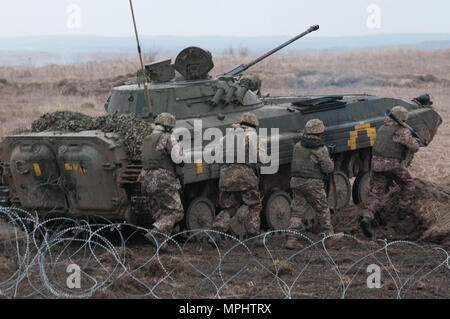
[(151, 237), (156, 239), (215, 240), (254, 243), (366, 227), (292, 243), (334, 238)]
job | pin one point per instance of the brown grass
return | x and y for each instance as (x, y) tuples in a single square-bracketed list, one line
[(26, 93)]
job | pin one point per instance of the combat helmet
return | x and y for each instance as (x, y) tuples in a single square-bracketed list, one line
[(166, 119), (314, 126), (400, 112), (249, 119)]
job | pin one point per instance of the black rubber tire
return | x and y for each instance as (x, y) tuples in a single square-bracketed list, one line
[(189, 217), (363, 177), (4, 196), (268, 214), (342, 175), (353, 164)]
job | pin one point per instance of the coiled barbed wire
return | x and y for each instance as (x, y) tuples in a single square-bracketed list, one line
[(115, 260)]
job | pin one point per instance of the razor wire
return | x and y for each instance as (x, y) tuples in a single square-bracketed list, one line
[(117, 260)]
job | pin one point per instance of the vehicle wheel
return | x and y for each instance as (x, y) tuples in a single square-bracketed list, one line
[(277, 210), (361, 188), (343, 190), (200, 214), (353, 165), (4, 196)]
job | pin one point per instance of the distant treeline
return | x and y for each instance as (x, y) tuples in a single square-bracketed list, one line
[(84, 49)]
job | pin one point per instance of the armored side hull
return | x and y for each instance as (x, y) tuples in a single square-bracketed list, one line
[(74, 173), (351, 124), (89, 173)]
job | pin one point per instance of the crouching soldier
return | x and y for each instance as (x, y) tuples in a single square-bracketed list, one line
[(160, 150), (392, 153), (239, 179), (310, 164)]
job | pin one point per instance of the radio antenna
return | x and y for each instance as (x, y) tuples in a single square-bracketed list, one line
[(147, 96)]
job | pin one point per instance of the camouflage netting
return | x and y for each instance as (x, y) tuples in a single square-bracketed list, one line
[(131, 128)]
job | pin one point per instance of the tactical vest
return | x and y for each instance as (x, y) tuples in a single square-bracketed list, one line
[(152, 158), (385, 147), (302, 166), (233, 147)]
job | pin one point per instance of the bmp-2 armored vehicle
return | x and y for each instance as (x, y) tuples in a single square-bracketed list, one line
[(90, 172)]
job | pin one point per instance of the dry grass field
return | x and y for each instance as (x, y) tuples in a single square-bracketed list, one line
[(27, 93)]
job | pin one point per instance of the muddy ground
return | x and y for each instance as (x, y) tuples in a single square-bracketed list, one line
[(197, 270), (120, 263), (428, 220)]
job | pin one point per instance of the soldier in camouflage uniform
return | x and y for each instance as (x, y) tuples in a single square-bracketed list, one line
[(239, 180), (160, 150), (310, 164), (392, 154)]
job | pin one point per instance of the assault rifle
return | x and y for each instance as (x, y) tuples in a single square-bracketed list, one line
[(413, 132)]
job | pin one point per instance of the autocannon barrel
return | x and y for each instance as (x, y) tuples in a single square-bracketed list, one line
[(242, 67)]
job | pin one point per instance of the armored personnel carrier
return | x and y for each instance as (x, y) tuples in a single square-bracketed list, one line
[(90, 173)]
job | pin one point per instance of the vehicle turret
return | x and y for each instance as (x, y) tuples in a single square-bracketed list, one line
[(194, 92)]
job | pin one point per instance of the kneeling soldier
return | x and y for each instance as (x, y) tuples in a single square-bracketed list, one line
[(158, 178), (239, 182), (310, 164)]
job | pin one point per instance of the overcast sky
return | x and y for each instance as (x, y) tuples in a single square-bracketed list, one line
[(222, 17)]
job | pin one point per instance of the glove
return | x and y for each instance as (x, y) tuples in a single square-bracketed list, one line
[(331, 149)]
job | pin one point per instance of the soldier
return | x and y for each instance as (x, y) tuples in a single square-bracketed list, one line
[(392, 154), (310, 164), (239, 182), (160, 150)]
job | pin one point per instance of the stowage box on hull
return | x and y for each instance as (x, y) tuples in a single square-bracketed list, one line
[(76, 173)]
